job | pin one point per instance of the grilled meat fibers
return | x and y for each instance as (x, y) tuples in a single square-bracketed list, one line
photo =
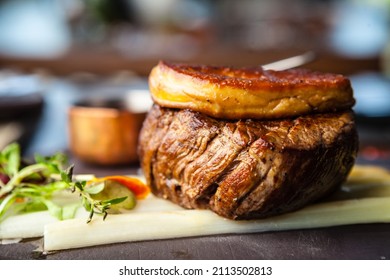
[(246, 169)]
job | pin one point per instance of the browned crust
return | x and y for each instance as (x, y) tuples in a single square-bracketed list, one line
[(257, 78), (234, 93)]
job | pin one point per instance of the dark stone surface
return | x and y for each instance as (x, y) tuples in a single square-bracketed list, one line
[(354, 242)]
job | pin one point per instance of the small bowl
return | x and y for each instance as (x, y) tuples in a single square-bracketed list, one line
[(104, 133)]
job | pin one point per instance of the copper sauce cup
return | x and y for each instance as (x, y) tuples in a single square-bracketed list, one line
[(104, 134)]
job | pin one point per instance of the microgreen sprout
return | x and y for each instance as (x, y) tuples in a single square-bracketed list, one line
[(30, 187)]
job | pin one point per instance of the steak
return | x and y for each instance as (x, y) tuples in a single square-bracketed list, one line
[(246, 169)]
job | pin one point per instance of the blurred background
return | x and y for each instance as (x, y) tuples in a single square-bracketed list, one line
[(53, 53)]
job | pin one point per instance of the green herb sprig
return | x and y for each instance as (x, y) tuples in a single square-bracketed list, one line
[(92, 205), (30, 187)]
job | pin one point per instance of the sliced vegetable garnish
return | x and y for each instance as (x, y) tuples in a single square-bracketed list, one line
[(135, 185), (111, 189)]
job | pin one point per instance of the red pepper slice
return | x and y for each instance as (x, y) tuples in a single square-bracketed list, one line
[(139, 189)]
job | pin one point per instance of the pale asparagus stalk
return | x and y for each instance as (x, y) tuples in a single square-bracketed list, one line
[(369, 174), (187, 223), (32, 224)]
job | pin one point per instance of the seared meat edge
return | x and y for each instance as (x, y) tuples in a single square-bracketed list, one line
[(245, 169)]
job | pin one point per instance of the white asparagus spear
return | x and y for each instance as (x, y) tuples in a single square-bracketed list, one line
[(32, 224), (185, 223)]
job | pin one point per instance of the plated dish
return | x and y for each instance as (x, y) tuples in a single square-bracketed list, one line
[(364, 189)]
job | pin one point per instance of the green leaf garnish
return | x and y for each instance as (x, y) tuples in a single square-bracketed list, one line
[(95, 189), (11, 158), (31, 188), (115, 200)]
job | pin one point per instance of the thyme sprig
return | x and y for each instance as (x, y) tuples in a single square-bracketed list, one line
[(92, 205), (30, 187)]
